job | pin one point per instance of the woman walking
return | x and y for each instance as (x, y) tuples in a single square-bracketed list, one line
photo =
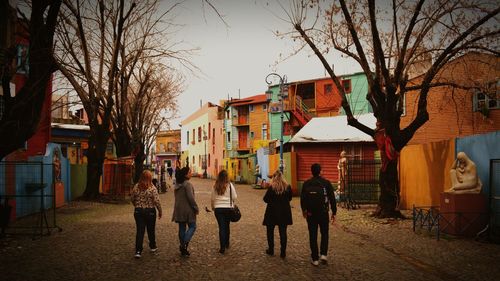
[(223, 196), (145, 198), (278, 212), (185, 208)]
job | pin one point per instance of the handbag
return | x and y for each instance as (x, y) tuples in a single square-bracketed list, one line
[(235, 214)]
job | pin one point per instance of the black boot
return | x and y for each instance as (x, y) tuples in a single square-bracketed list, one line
[(186, 252)]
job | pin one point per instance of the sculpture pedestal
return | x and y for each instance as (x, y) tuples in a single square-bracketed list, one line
[(463, 214), (59, 196)]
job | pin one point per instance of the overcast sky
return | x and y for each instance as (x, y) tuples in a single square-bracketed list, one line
[(236, 59)]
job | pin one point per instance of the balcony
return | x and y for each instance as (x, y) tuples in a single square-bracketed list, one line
[(240, 121)]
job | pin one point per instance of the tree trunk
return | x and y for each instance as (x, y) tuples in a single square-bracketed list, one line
[(95, 156), (122, 143), (139, 163), (389, 192)]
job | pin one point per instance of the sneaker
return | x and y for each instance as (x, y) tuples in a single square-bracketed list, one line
[(137, 255), (154, 250), (315, 263), (323, 259)]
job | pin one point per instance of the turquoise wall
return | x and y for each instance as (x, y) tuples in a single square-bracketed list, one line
[(481, 149), (275, 118), (357, 97)]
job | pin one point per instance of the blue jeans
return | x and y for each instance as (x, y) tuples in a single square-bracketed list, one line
[(222, 216), (145, 218), (186, 235)]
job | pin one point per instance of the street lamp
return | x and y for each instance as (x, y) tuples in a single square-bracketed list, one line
[(205, 160), (282, 94)]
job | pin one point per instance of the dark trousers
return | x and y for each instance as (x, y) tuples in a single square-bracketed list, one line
[(313, 222), (270, 237), (222, 216), (145, 218)]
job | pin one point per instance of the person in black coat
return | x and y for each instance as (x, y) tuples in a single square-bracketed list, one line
[(278, 211), (316, 199)]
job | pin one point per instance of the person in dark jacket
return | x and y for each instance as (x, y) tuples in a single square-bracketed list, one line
[(278, 212), (316, 199), (185, 208)]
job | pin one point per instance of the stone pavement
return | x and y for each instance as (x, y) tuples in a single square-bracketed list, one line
[(97, 243)]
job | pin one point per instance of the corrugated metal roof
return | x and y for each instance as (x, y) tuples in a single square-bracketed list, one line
[(334, 129), (250, 100), (70, 126)]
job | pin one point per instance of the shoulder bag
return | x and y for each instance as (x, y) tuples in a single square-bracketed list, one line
[(235, 214)]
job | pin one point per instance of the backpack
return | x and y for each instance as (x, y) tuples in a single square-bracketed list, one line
[(317, 198)]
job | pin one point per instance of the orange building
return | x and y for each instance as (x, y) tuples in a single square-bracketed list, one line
[(251, 122), (457, 112)]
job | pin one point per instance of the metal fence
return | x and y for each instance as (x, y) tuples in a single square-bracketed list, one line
[(27, 198), (362, 185), (118, 179)]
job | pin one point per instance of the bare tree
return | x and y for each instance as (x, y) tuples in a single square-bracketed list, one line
[(151, 100), (145, 42), (21, 113), (386, 39), (89, 40)]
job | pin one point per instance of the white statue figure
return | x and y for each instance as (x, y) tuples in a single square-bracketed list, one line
[(463, 174), (342, 169)]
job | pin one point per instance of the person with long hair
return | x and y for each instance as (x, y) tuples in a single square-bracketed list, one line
[(278, 212), (145, 199), (222, 200), (185, 208)]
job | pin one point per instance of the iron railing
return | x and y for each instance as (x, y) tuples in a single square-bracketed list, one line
[(362, 184)]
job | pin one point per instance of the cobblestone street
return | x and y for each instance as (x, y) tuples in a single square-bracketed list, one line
[(97, 243)]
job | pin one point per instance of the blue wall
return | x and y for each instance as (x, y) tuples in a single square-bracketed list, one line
[(480, 149)]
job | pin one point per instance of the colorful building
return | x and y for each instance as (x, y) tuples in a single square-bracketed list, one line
[(202, 140), (246, 127), (322, 140), (455, 112), (167, 152)]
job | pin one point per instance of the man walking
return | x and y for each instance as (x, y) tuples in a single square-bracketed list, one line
[(316, 199)]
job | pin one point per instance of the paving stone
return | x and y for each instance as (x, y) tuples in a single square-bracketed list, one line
[(97, 243)]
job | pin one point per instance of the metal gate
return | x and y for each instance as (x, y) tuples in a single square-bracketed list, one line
[(495, 197), (362, 185)]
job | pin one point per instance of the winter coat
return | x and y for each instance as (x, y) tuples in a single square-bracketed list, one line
[(278, 210), (185, 207)]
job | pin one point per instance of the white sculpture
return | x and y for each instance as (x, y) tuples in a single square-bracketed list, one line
[(463, 175)]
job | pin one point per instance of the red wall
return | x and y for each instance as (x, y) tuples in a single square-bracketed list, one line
[(327, 155)]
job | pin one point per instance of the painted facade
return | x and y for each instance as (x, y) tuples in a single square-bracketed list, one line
[(201, 140), (246, 127), (459, 112), (167, 151)]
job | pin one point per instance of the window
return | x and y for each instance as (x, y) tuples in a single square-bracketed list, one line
[(170, 146), (193, 159), (227, 114), (178, 146), (228, 137), (162, 147), (347, 86), (264, 107), (353, 151), (328, 89), (209, 129), (213, 135), (199, 134), (252, 135), (187, 137), (487, 99), (208, 164), (250, 107), (192, 142), (264, 131)]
